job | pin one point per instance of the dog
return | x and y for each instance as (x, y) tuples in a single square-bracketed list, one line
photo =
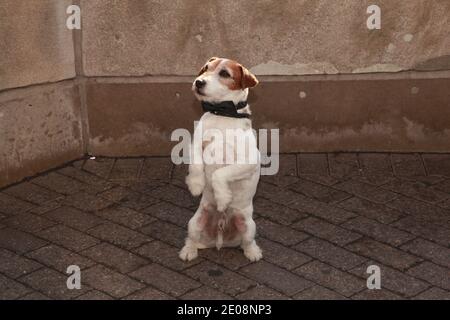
[(225, 214)]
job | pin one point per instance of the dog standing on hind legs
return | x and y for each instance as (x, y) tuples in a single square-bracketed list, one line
[(225, 214)]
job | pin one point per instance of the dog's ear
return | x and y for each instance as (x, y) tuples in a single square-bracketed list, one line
[(248, 79), (212, 59)]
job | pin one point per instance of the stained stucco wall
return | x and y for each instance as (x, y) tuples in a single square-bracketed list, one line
[(271, 37), (40, 120), (121, 84)]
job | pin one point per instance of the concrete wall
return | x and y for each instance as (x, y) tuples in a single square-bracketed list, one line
[(271, 37), (146, 45), (121, 85), (40, 124)]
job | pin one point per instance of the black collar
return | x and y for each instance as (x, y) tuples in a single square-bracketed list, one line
[(226, 109)]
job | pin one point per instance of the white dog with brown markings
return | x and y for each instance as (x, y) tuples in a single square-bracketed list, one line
[(225, 214)]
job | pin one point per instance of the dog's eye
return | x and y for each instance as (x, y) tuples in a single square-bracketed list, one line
[(224, 74)]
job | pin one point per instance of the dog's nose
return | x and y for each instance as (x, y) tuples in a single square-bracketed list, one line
[(200, 83)]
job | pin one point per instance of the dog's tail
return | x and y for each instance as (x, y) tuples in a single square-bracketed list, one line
[(221, 224)]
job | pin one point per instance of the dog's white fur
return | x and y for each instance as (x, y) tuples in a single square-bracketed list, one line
[(226, 189)]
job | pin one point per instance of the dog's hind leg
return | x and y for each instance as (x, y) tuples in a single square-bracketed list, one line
[(246, 225), (196, 226)]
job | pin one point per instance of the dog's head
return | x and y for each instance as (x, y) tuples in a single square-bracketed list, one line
[(223, 80)]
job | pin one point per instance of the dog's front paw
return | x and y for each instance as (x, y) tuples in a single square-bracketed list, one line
[(253, 252), (188, 253), (196, 184)]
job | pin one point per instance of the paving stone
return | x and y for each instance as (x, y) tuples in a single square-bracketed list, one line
[(53, 284), (128, 198), (287, 171), (393, 280), (275, 277), (376, 294), (148, 294), (99, 166), (344, 165), (114, 257), (366, 191), (423, 227), (371, 210), (231, 258), (429, 250), (87, 202), (19, 241), (261, 292), (164, 279), (276, 212), (383, 253), (326, 230), (205, 293), (126, 169), (322, 210), (438, 164), (375, 162), (378, 231), (46, 207), (34, 296), (68, 238), (93, 183), (284, 197), (166, 232), (416, 189), (319, 192), (443, 186), (165, 255), (32, 193), (14, 265), (407, 165), (280, 180), (59, 258), (279, 233), (59, 183), (420, 209), (141, 216), (74, 218), (125, 216), (331, 278), (170, 213), (219, 278), (432, 273), (322, 179), (118, 235), (94, 295), (10, 205), (113, 283), (11, 289), (157, 168), (317, 292), (433, 293), (281, 255), (28, 222), (329, 253), (177, 196)]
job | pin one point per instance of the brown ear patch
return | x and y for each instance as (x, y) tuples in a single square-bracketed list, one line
[(248, 80)]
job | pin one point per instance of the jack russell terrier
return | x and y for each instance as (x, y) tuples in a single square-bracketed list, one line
[(224, 217)]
